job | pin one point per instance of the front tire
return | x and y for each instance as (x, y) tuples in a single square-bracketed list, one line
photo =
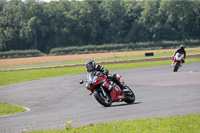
[(130, 96), (103, 100), (176, 67)]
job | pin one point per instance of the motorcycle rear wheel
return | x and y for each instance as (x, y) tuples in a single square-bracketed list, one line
[(130, 96), (105, 101)]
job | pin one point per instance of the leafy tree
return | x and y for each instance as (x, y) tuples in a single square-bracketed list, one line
[(33, 24), (113, 14), (58, 33), (149, 18), (179, 18), (9, 22)]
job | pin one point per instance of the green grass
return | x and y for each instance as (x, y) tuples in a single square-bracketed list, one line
[(176, 124), (8, 108), (11, 77)]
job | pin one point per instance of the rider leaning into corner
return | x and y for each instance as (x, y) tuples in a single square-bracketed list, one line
[(180, 50), (92, 67)]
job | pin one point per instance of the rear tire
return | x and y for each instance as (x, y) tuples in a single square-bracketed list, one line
[(105, 101), (130, 96)]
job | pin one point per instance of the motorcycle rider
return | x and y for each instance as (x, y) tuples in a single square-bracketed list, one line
[(91, 66), (180, 50)]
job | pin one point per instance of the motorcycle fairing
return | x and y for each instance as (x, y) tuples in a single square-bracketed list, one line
[(178, 59), (94, 80), (116, 94)]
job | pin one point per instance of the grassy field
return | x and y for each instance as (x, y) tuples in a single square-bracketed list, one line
[(176, 124), (8, 108)]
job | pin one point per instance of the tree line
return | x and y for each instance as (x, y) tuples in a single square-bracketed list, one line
[(32, 24)]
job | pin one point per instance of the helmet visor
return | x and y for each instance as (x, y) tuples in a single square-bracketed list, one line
[(89, 68)]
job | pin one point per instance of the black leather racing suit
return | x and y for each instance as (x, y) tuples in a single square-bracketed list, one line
[(113, 78)]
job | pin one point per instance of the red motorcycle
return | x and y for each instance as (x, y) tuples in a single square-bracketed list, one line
[(106, 91), (178, 58)]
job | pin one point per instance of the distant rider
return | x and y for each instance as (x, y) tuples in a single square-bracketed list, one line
[(91, 66), (180, 50)]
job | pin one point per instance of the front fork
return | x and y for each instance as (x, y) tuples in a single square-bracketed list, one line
[(104, 93)]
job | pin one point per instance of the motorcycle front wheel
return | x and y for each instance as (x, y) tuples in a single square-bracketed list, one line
[(103, 100), (176, 67), (130, 96)]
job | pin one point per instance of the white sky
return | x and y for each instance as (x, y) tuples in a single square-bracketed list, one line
[(48, 0), (54, 0)]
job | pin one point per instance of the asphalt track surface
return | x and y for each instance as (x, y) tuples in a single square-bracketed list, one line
[(54, 101)]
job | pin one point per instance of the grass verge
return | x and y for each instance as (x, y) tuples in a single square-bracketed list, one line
[(12, 77), (176, 124), (8, 108)]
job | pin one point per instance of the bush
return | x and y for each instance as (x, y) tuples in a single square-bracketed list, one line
[(20, 53), (122, 47)]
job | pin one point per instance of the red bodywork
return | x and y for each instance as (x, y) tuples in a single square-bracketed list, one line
[(115, 94), (178, 62), (100, 80)]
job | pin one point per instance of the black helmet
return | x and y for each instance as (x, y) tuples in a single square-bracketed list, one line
[(90, 65), (182, 46)]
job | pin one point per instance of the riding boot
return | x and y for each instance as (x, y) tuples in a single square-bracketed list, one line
[(120, 85), (118, 82)]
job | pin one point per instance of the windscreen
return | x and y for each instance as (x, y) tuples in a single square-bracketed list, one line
[(90, 77)]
